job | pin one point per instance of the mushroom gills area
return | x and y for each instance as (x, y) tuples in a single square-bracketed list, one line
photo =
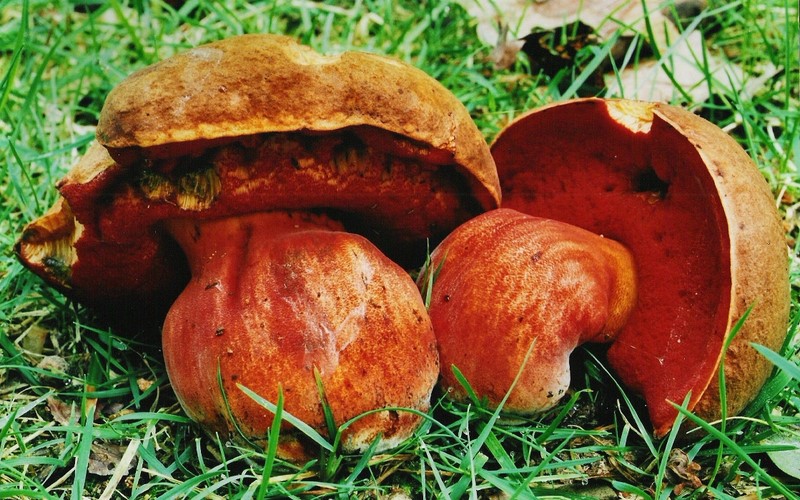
[(383, 178), (276, 300), (649, 190)]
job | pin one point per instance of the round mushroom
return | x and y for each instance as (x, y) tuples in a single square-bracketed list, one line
[(684, 201), (226, 177)]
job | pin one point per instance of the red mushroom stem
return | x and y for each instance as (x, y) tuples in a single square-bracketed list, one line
[(285, 296)]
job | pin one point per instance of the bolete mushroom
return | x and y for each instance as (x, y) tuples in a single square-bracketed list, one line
[(686, 241), (228, 174)]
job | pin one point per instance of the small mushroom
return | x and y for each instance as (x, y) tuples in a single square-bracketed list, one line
[(704, 245), (225, 177)]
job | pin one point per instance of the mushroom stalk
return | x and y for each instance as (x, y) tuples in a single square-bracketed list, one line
[(507, 284), (286, 300)]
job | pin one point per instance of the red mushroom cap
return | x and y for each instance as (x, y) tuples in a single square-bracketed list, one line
[(513, 295)]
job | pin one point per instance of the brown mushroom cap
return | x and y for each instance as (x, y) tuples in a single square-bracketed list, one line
[(256, 123), (697, 216), (252, 84)]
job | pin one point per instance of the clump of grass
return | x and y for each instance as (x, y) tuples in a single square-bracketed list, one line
[(89, 412)]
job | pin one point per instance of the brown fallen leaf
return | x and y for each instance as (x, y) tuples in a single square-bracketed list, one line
[(53, 364), (683, 471), (788, 459), (505, 51), (551, 51), (63, 413), (144, 384), (681, 74), (34, 339), (104, 458), (522, 17)]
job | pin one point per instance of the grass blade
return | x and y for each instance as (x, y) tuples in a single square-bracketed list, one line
[(83, 452), (791, 369), (737, 451), (272, 446), (301, 426)]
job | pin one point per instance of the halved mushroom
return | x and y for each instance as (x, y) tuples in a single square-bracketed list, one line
[(689, 206), (240, 163)]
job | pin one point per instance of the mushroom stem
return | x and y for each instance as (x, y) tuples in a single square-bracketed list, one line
[(279, 299), (505, 281), (200, 240)]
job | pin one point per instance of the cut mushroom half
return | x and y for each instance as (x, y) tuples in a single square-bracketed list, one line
[(685, 202)]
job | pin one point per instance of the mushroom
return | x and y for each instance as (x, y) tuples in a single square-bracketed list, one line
[(243, 185), (508, 282), (696, 246)]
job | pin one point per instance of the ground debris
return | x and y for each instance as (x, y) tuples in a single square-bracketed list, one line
[(682, 471), (53, 364), (62, 412), (105, 458), (555, 31)]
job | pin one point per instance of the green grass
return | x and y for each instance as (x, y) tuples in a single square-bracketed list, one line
[(57, 62)]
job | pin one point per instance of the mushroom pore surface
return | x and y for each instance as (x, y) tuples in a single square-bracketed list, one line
[(101, 244)]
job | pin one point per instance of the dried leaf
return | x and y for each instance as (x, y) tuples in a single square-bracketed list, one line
[(676, 76), (34, 339), (788, 460), (522, 17), (683, 469), (505, 51), (53, 364), (122, 468), (143, 384), (63, 413), (553, 51), (397, 494), (104, 458)]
